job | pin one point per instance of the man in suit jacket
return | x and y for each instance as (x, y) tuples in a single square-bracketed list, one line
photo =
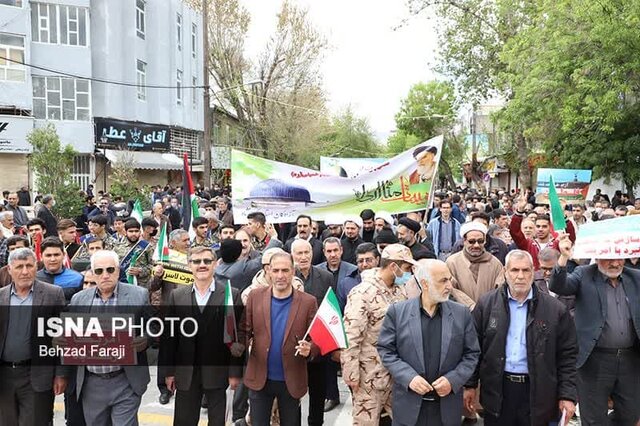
[(430, 347), (29, 381), (275, 319), (45, 214), (201, 364), (607, 317), (303, 228), (111, 394)]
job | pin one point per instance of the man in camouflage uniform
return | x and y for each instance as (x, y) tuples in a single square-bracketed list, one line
[(135, 255), (364, 313), (201, 226)]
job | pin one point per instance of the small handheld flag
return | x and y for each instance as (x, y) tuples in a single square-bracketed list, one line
[(161, 252), (230, 332), (557, 214), (327, 328)]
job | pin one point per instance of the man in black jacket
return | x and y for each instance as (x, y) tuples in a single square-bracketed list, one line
[(528, 345)]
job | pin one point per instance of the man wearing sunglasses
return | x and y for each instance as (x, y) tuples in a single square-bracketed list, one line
[(475, 271), (111, 394), (202, 364)]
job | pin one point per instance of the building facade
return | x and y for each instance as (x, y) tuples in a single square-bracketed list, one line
[(110, 75)]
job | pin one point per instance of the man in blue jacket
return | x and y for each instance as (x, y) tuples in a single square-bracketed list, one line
[(54, 271)]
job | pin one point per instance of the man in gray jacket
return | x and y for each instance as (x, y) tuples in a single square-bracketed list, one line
[(430, 347)]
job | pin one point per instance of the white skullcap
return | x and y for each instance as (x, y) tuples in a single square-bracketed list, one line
[(386, 216), (472, 226), (355, 219)]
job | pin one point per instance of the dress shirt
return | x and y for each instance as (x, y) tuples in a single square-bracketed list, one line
[(516, 348), (17, 346), (203, 299)]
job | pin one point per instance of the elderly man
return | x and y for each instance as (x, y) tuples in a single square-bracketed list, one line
[(528, 348), (475, 271), (607, 315), (111, 394), (367, 304), (277, 367), (202, 364), (157, 214), (426, 158), (303, 228), (27, 392), (20, 217), (430, 347), (7, 224)]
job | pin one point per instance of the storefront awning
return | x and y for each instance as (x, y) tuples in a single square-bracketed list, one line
[(145, 160)]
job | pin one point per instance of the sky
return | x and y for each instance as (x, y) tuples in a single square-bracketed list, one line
[(369, 66)]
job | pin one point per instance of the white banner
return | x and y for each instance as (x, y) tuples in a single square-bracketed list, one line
[(13, 134)]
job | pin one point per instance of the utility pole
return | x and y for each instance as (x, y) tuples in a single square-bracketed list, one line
[(206, 139)]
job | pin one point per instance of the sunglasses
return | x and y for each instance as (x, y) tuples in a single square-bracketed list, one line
[(201, 261), (110, 270), (474, 242)]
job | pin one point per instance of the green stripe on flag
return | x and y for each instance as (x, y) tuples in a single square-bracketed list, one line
[(333, 301), (557, 214)]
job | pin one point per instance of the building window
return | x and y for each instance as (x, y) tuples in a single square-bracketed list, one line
[(194, 92), (81, 173), (194, 40), (16, 3), (12, 47), (56, 98), (141, 79), (140, 18), (179, 30), (179, 87), (59, 24)]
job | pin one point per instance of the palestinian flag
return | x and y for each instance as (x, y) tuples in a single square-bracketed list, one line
[(230, 332), (37, 246), (132, 279), (557, 213), (327, 328), (189, 203), (161, 252), (136, 213)]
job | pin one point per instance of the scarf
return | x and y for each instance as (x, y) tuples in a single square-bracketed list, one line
[(476, 261)]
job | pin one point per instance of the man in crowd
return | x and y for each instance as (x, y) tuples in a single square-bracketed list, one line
[(119, 233), (495, 246), (231, 267), (444, 231), (367, 305), (135, 255), (111, 394), (577, 216), (201, 226), (27, 392), (339, 269), (47, 216), (202, 364), (98, 228), (528, 348), (54, 272), (475, 271), (367, 257), (12, 243), (104, 210), (607, 315), (407, 232), (7, 224), (427, 380), (277, 367), (157, 214), (543, 238), (303, 228), (548, 260), (67, 232), (257, 229), (351, 239), (368, 225), (224, 214), (316, 281), (20, 217)]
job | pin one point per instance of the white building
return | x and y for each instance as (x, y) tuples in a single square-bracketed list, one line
[(133, 43)]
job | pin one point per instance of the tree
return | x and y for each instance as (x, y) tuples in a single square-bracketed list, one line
[(429, 110), (472, 36), (124, 181), (285, 113), (52, 165), (576, 86), (349, 136)]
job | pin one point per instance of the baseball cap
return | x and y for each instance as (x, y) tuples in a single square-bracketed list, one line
[(398, 252)]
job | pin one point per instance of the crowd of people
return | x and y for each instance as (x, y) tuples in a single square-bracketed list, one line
[(474, 307)]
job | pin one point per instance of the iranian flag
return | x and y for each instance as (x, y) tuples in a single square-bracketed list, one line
[(136, 213), (189, 203), (327, 328), (161, 252), (230, 332)]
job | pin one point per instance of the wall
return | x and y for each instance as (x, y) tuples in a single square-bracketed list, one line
[(17, 21), (15, 171)]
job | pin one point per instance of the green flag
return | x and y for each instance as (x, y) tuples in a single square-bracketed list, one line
[(132, 279), (136, 213), (557, 214)]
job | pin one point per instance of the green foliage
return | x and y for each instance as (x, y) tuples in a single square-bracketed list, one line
[(52, 165), (575, 80), (124, 182), (49, 160), (401, 141), (349, 136)]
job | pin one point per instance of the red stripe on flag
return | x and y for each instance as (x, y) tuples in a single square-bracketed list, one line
[(322, 337)]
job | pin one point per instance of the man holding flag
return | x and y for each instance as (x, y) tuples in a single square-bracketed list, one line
[(134, 255), (203, 364)]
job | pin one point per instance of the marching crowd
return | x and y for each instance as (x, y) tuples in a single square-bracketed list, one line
[(474, 307)]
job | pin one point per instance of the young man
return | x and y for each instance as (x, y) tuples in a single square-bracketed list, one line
[(54, 271), (68, 235)]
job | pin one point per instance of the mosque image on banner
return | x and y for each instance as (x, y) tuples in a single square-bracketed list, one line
[(282, 192), (571, 185)]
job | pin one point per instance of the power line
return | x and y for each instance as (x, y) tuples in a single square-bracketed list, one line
[(98, 80)]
